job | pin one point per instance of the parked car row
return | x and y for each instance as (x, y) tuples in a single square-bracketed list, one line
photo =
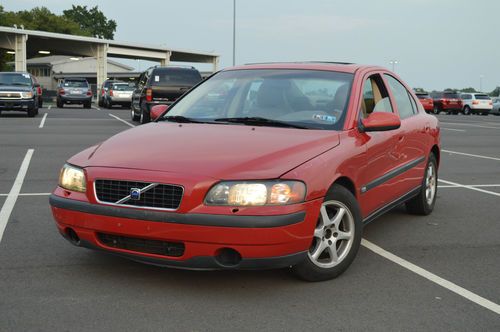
[(454, 103), (20, 91)]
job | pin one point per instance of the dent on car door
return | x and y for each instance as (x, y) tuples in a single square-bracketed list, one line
[(412, 138), (381, 158)]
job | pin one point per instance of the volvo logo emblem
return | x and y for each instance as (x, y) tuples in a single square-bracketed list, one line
[(135, 193)]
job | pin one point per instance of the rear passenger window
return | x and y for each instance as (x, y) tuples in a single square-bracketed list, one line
[(402, 97)]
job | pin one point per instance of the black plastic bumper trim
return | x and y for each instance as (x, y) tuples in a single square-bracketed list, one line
[(178, 218), (209, 262)]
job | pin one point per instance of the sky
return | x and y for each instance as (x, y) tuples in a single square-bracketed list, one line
[(438, 44)]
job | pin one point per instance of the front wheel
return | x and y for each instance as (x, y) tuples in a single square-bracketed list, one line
[(145, 116), (424, 202), (336, 238)]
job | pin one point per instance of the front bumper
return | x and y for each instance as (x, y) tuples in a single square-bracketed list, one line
[(16, 104), (262, 241)]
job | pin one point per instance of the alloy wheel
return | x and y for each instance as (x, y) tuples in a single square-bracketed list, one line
[(430, 184), (333, 236)]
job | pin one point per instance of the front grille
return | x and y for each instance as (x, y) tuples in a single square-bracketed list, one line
[(10, 95), (172, 249), (152, 195)]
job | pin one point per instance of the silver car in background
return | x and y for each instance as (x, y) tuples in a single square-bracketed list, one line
[(496, 106), (119, 93)]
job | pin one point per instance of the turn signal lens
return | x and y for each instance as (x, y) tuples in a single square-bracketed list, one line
[(149, 95)]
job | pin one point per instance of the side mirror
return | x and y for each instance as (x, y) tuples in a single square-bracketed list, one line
[(157, 111), (380, 121)]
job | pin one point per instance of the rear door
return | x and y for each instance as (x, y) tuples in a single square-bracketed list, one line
[(411, 140)]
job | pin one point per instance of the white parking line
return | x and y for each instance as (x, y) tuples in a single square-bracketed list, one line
[(50, 106), (9, 203), (43, 120), (452, 129), (432, 277), (96, 108), (468, 124), (470, 187), (471, 155), (29, 194), (119, 119)]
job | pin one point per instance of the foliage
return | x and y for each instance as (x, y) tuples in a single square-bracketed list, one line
[(495, 92), (92, 20)]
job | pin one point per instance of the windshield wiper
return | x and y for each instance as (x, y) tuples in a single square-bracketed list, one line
[(258, 121), (179, 119)]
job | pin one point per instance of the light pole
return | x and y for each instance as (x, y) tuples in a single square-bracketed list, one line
[(393, 63), (234, 33), (481, 83)]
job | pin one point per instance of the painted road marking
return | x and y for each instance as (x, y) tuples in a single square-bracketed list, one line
[(96, 108), (43, 120), (452, 129), (9, 203), (470, 187), (471, 155), (29, 194), (468, 124), (50, 106), (119, 119), (432, 277)]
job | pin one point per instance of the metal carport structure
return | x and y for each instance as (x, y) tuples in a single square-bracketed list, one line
[(27, 43)]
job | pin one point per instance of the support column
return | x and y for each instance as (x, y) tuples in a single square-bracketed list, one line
[(20, 49), (102, 63), (166, 61), (215, 64)]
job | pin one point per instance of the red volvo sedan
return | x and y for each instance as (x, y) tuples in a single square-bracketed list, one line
[(259, 166)]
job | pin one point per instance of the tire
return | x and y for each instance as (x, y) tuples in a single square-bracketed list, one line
[(59, 104), (485, 114), (32, 112), (145, 117), (424, 202), (99, 102), (133, 116), (87, 105), (344, 236), (40, 103), (436, 110), (466, 110)]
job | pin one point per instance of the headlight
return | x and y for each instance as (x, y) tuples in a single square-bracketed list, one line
[(256, 193), (27, 95), (72, 178)]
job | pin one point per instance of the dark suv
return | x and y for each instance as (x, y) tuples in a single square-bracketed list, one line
[(447, 101), (161, 85), (74, 91), (18, 92)]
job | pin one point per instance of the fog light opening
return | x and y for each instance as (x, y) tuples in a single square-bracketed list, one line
[(228, 257), (73, 237)]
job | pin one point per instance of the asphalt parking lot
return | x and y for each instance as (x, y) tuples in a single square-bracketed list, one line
[(46, 284)]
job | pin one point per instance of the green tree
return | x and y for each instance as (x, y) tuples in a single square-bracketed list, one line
[(92, 20), (470, 90), (495, 92), (422, 90)]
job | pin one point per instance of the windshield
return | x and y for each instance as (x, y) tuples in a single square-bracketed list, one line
[(75, 84), (175, 77), (451, 95), (15, 79), (122, 87), (303, 98)]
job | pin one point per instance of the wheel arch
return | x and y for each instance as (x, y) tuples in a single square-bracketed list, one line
[(437, 153), (345, 182)]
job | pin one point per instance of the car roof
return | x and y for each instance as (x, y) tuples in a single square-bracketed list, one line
[(309, 65), (75, 79)]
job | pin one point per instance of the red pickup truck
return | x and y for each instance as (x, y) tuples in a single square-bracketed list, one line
[(447, 101)]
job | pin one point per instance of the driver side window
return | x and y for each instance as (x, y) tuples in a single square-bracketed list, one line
[(375, 97)]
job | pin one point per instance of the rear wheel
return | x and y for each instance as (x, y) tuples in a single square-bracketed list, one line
[(87, 105), (336, 238), (436, 110), (144, 117), (423, 203), (59, 104), (466, 110)]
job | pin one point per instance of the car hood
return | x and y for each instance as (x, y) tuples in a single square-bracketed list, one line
[(15, 88), (219, 151)]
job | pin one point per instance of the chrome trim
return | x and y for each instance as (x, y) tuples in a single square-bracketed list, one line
[(9, 95), (136, 206), (143, 190)]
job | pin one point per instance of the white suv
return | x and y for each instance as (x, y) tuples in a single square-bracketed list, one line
[(478, 103)]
